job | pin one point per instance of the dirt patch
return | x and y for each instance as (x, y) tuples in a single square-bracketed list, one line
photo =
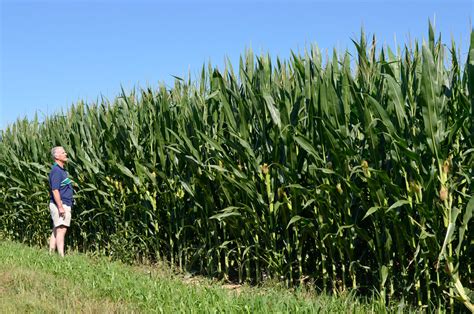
[(233, 287), (189, 279), (5, 280)]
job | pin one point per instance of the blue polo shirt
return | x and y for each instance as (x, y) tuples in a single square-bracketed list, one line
[(58, 180)]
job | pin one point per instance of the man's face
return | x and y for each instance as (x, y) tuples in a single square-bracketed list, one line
[(61, 155)]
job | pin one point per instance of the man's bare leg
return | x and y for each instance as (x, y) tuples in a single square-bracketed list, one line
[(52, 241), (60, 235)]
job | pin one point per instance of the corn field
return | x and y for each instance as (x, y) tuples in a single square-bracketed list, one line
[(351, 171)]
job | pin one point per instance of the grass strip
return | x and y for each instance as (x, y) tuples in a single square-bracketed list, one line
[(33, 281)]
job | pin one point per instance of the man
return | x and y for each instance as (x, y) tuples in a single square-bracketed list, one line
[(61, 195)]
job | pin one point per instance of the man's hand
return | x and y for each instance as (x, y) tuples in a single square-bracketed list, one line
[(62, 212)]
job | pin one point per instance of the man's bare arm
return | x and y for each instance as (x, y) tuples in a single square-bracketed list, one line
[(59, 202)]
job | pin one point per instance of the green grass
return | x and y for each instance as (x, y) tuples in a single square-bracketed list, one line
[(33, 281)]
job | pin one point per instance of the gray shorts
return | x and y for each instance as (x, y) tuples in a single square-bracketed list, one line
[(57, 220)]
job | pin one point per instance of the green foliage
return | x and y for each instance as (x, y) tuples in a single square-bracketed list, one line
[(352, 177)]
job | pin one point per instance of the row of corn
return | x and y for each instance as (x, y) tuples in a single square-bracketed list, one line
[(352, 173)]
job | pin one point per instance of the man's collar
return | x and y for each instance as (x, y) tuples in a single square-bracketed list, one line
[(56, 164)]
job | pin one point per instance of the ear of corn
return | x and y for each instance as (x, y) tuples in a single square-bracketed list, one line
[(350, 177)]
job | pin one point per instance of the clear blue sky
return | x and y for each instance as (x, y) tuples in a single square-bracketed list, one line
[(54, 53)]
